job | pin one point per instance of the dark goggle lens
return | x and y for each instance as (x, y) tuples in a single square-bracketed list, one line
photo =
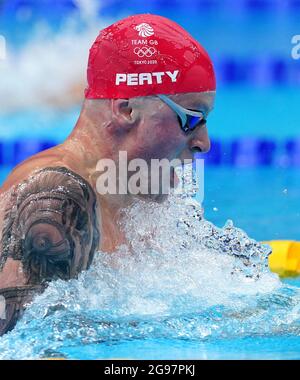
[(184, 127), (192, 122), (195, 121)]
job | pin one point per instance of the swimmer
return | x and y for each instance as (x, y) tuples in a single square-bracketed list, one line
[(150, 89)]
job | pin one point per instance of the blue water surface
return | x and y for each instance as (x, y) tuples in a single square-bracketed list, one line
[(252, 54)]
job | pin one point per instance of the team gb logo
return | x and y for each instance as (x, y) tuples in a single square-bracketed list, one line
[(145, 30)]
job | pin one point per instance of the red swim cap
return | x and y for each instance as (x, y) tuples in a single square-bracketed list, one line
[(147, 55)]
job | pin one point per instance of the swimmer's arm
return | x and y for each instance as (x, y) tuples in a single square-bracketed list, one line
[(51, 226)]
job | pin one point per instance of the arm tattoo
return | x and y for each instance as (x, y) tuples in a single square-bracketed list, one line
[(51, 226), (12, 302)]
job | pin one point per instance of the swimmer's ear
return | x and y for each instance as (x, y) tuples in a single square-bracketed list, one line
[(123, 113)]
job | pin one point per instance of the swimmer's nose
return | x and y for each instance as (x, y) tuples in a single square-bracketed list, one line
[(199, 142)]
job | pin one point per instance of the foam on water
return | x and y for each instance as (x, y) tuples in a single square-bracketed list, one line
[(180, 278), (50, 69)]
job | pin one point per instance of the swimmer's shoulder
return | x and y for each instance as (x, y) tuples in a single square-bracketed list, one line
[(50, 158), (48, 201)]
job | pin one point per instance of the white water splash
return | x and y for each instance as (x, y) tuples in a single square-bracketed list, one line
[(181, 277), (50, 70)]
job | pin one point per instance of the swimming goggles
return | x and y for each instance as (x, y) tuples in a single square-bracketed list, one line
[(188, 119)]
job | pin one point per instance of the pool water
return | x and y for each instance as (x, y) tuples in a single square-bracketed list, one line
[(263, 201), (182, 293), (186, 290)]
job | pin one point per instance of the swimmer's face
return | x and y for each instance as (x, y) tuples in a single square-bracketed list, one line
[(147, 128), (159, 134)]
